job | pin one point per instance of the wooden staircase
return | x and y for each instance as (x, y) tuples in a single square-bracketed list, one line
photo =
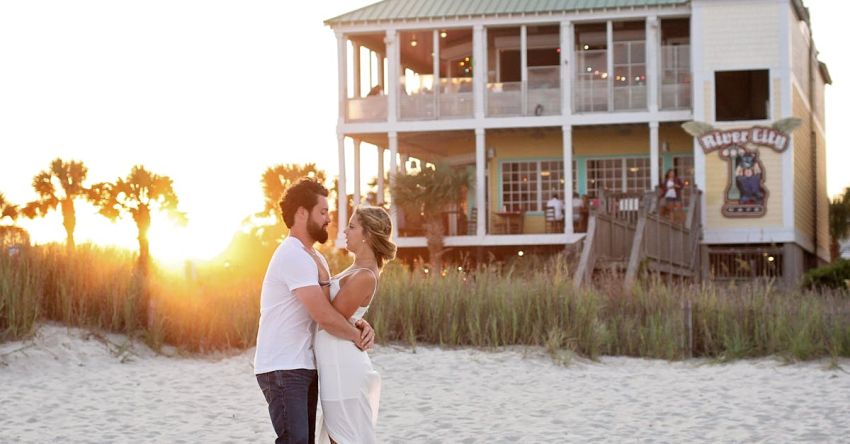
[(627, 235)]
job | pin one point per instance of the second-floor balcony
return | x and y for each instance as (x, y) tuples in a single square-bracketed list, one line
[(610, 71), (452, 99)]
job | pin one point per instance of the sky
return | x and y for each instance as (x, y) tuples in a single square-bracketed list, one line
[(209, 93)]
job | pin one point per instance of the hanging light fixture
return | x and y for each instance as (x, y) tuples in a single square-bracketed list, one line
[(413, 42), (443, 34)]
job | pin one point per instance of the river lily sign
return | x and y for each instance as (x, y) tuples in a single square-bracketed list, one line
[(745, 194)]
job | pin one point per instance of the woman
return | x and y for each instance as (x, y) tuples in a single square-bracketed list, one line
[(349, 388), (670, 191)]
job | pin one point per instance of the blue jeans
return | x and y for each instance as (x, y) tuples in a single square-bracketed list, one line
[(292, 396)]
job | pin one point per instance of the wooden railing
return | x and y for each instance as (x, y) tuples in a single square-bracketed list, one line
[(634, 236), (665, 245), (610, 233)]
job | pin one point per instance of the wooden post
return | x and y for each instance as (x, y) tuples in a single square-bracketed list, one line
[(636, 254)]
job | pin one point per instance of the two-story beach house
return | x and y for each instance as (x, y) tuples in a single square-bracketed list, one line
[(585, 100)]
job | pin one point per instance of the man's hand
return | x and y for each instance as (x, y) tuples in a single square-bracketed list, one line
[(367, 335)]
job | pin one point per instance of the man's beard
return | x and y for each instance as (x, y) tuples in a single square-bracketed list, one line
[(318, 232)]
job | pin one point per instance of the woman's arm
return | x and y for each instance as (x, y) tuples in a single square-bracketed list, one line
[(358, 289)]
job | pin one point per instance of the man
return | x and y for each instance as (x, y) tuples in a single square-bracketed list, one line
[(557, 205), (291, 303)]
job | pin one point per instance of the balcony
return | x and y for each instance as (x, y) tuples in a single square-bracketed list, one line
[(437, 82), (675, 77), (367, 109)]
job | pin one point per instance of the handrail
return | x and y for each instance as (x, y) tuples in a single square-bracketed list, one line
[(587, 262)]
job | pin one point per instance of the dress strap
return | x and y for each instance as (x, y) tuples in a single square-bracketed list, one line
[(352, 270)]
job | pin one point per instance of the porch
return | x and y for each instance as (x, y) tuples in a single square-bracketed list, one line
[(519, 178)]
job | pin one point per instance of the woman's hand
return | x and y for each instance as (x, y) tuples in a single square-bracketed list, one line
[(367, 335)]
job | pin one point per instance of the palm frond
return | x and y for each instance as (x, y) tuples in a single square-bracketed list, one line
[(787, 125), (697, 129)]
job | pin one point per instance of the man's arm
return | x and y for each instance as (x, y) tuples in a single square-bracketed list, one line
[(325, 315)]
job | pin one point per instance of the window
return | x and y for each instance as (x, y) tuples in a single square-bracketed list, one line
[(526, 186), (551, 179), (684, 166), (638, 175), (604, 174), (519, 186), (741, 95), (618, 175)]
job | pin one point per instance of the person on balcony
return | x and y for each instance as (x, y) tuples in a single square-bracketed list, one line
[(557, 206), (670, 193)]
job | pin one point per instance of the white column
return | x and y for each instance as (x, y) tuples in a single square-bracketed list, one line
[(380, 73), (652, 66), (435, 62), (342, 72), (380, 197), (567, 135), (655, 177), (393, 138), (480, 182), (523, 57), (610, 63), (479, 70), (342, 204), (567, 52), (393, 62), (357, 199), (699, 78), (355, 64)]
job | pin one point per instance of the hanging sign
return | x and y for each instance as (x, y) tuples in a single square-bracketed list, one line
[(745, 194)]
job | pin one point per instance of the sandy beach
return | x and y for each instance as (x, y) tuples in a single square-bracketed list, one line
[(70, 385)]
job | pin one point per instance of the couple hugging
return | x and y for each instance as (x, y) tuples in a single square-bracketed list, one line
[(312, 338)]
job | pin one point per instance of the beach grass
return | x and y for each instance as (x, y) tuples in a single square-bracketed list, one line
[(527, 301)]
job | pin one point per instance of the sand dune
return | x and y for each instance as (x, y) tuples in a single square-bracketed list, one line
[(68, 385)]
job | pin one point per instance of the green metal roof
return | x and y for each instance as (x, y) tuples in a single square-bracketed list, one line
[(391, 10)]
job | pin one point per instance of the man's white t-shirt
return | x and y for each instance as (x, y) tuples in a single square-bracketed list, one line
[(285, 336), (558, 206)]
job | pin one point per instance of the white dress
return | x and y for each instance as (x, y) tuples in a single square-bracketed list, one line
[(349, 388)]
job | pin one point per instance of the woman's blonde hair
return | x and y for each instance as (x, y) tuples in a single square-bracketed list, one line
[(378, 230)]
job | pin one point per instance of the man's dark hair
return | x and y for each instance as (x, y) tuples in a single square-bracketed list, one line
[(305, 194)]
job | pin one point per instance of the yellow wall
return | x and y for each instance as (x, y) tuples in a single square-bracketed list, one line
[(803, 186), (823, 198), (606, 141), (741, 33)]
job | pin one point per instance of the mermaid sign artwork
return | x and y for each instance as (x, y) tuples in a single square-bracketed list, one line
[(745, 194)]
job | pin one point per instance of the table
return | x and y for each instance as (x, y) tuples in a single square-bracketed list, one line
[(512, 219)]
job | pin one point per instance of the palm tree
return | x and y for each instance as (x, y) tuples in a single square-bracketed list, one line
[(278, 178), (60, 185), (10, 234), (141, 193), (839, 221), (7, 209), (428, 193)]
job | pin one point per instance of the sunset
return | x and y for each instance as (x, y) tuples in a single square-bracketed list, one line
[(362, 221)]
